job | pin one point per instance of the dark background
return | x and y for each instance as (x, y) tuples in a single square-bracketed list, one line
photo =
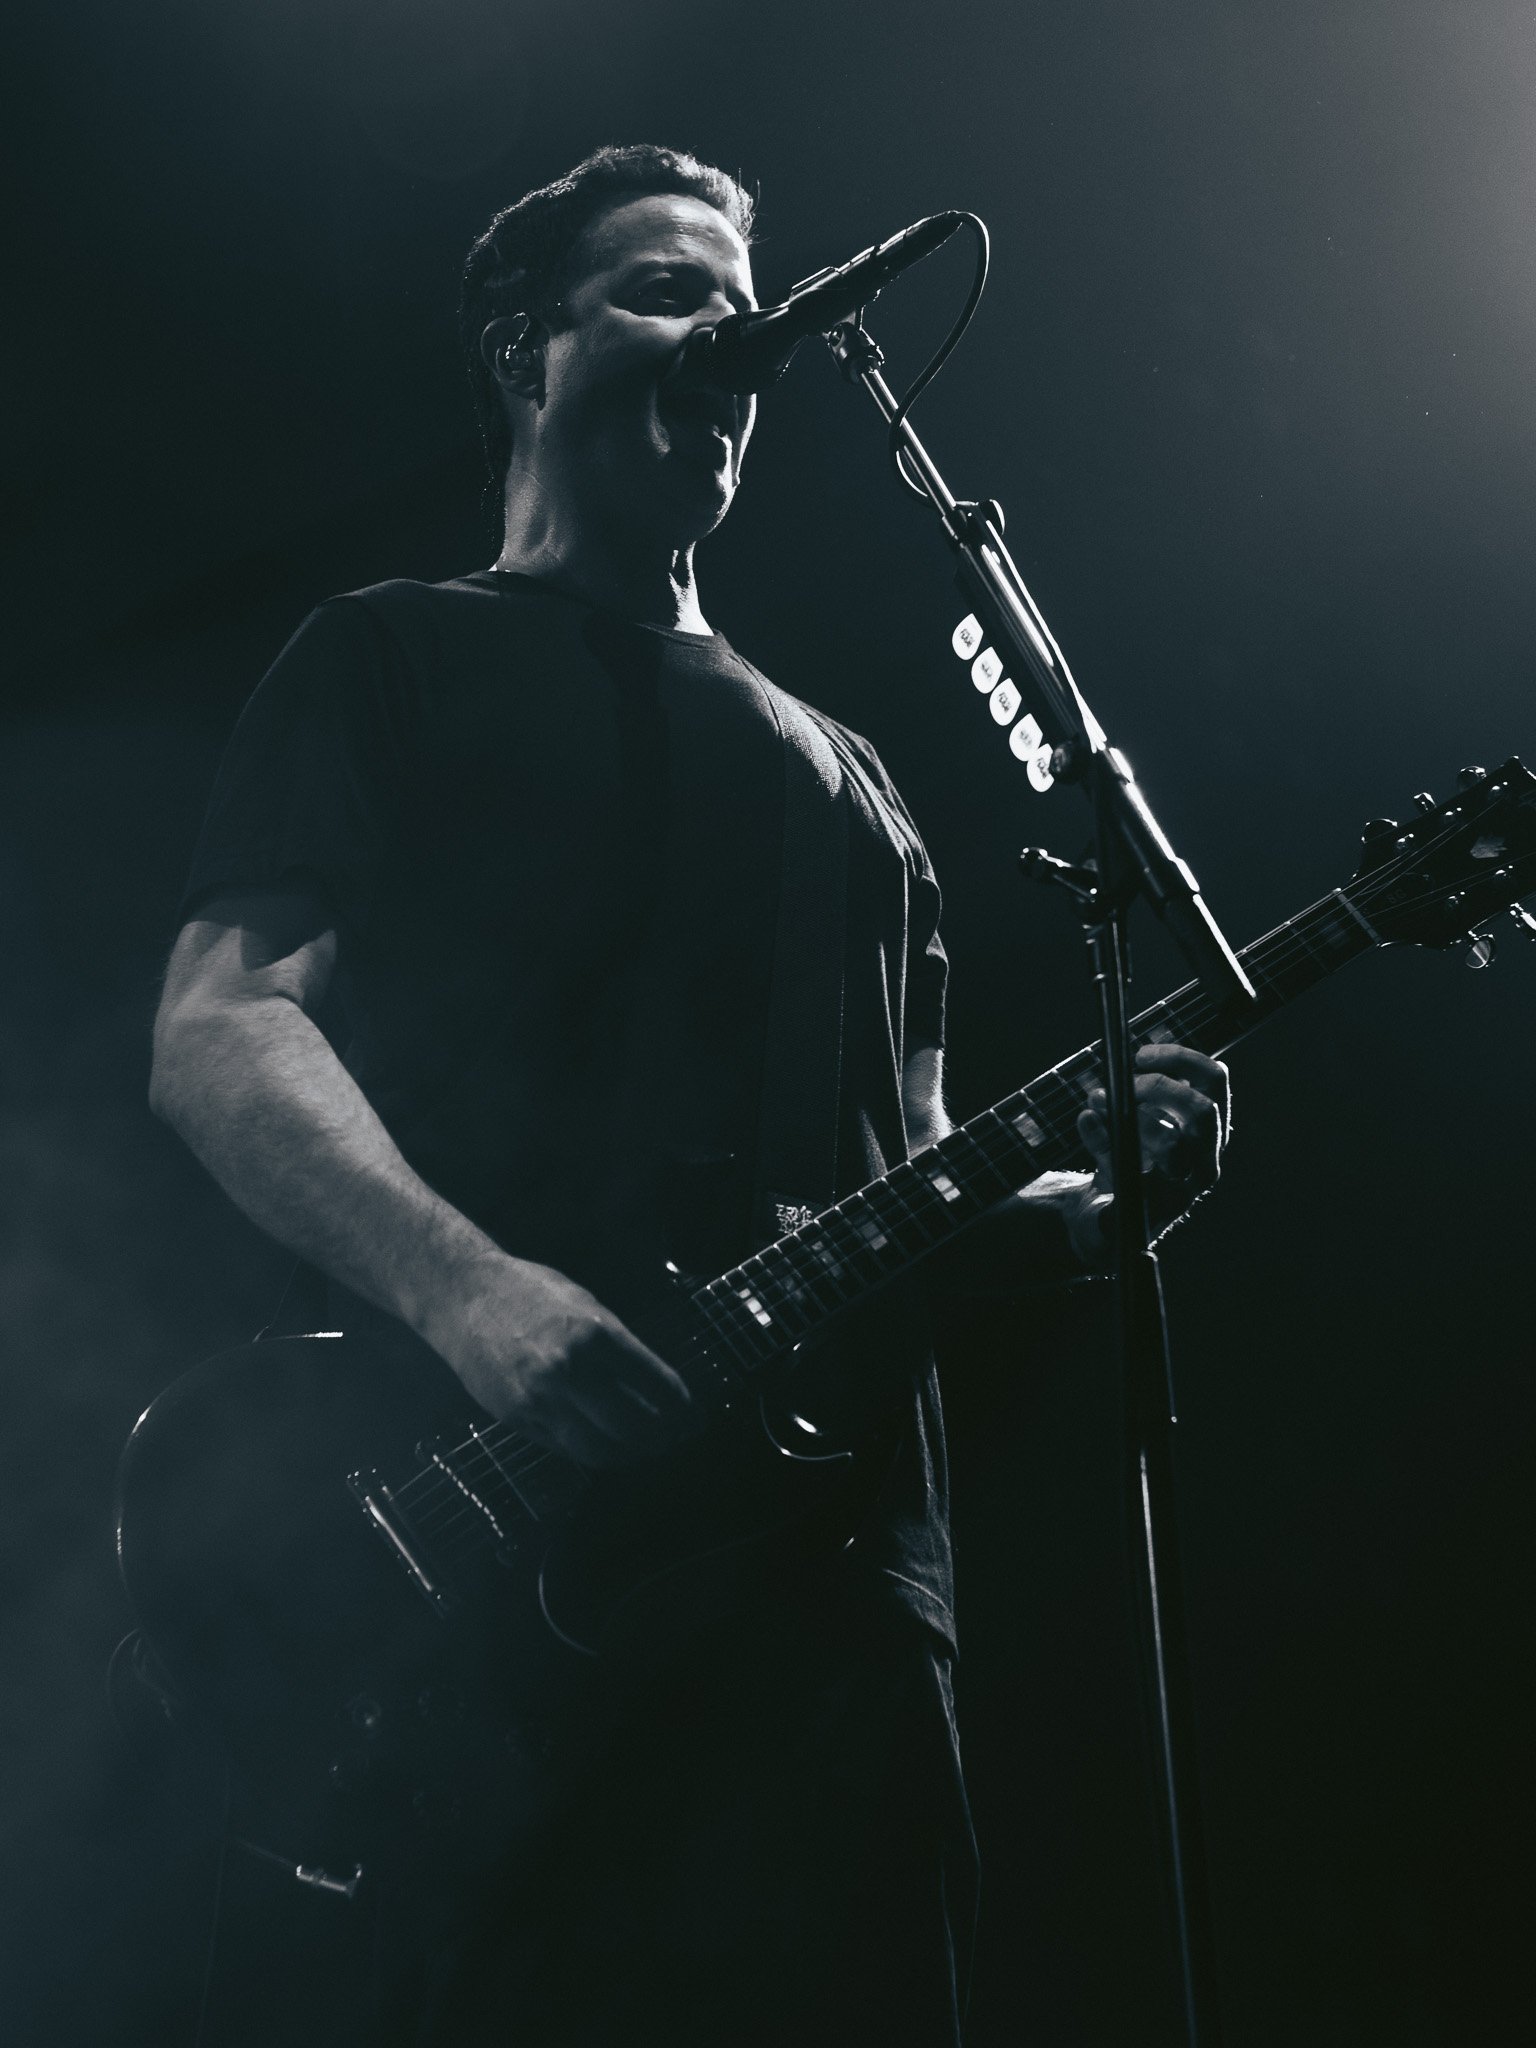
[(1253, 382)]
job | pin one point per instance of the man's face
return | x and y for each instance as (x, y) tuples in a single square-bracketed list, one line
[(640, 451)]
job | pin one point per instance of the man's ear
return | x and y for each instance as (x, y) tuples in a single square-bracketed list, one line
[(512, 349)]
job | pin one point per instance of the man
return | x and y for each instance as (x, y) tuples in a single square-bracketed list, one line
[(626, 953)]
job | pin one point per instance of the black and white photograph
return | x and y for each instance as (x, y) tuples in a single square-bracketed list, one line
[(767, 894)]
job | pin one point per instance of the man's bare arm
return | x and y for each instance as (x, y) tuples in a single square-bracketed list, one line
[(244, 1074)]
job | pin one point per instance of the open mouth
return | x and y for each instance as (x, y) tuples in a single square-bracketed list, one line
[(701, 411)]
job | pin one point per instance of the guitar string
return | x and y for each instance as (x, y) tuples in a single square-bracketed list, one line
[(1281, 950)]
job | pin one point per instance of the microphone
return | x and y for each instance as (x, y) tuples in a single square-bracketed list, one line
[(748, 350)]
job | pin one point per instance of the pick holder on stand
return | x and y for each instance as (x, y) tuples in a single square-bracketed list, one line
[(1016, 660)]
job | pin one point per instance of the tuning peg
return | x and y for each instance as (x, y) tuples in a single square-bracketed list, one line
[(1424, 800), (1480, 949), (1525, 924), (1467, 778), (1378, 842)]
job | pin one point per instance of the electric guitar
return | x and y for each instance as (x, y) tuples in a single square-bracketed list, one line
[(385, 1603)]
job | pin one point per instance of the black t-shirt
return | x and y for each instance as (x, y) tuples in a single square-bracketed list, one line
[(554, 842)]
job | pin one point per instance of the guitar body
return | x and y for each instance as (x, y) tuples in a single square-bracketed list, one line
[(366, 1714)]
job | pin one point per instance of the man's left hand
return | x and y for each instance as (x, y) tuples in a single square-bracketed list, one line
[(1185, 1104)]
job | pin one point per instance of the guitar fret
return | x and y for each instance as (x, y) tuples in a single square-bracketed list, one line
[(821, 1246), (1343, 928), (933, 1167), (876, 1218), (722, 1310), (1359, 917), (904, 1177), (1162, 1024), (800, 1281), (810, 1266), (771, 1298), (1313, 932), (868, 1235), (1006, 1150), (984, 1165), (1055, 1101), (1304, 948), (1026, 1131), (1001, 1144)]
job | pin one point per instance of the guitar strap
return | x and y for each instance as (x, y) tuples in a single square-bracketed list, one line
[(801, 1094)]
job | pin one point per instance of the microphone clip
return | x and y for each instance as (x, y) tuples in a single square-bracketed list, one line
[(855, 350)]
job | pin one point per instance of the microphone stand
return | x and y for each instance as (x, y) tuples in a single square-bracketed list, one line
[(1132, 857)]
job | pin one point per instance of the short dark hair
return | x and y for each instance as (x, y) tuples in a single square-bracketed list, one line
[(520, 263)]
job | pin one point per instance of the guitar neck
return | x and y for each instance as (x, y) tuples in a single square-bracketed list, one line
[(787, 1292)]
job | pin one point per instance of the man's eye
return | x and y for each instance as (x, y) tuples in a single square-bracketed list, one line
[(662, 297)]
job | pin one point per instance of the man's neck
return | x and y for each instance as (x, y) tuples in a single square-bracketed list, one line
[(652, 586)]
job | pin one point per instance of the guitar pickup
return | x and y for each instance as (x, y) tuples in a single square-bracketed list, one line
[(387, 1520)]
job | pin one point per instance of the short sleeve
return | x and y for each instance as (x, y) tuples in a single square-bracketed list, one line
[(927, 964), (310, 782)]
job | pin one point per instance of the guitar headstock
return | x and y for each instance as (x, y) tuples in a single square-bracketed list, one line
[(1436, 879)]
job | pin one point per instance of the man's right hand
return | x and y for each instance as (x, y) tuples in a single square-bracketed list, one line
[(545, 1355), (243, 1072)]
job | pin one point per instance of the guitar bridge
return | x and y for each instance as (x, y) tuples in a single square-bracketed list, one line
[(378, 1504)]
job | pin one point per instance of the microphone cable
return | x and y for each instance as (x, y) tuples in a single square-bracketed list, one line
[(941, 354)]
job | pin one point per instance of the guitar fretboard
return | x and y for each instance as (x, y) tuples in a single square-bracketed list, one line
[(785, 1293)]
